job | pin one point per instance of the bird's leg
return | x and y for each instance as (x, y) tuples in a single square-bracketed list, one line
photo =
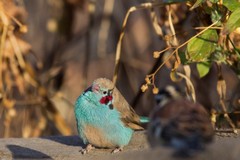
[(118, 149), (87, 149)]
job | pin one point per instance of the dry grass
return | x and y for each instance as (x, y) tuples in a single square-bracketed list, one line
[(25, 106)]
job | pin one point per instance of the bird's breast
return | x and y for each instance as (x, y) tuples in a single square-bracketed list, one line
[(96, 137)]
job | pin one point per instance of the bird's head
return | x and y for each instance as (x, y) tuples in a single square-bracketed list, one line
[(168, 93), (103, 89)]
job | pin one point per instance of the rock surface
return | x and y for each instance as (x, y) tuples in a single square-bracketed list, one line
[(67, 148)]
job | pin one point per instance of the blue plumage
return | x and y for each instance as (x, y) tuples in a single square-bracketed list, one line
[(104, 118), (100, 116)]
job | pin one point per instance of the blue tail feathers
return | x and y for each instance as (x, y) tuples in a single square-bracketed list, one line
[(144, 119)]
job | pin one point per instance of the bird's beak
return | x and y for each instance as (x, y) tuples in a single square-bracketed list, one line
[(110, 92)]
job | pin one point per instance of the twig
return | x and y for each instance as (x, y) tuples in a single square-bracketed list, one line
[(188, 81), (221, 89), (211, 28), (175, 41), (2, 44), (119, 44), (156, 26), (177, 48)]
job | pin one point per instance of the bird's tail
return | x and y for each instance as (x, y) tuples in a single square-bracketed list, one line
[(144, 119)]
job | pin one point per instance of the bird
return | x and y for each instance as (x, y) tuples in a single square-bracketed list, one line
[(179, 123), (104, 118)]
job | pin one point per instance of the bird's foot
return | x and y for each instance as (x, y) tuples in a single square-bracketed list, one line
[(116, 150), (87, 149)]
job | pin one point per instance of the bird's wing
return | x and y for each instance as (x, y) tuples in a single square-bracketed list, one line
[(128, 115), (185, 120)]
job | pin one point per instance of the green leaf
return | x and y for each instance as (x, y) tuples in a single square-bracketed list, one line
[(220, 55), (216, 16), (201, 47), (233, 21), (203, 68), (231, 5), (182, 57)]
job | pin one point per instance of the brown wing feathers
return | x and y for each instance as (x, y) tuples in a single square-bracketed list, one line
[(128, 115)]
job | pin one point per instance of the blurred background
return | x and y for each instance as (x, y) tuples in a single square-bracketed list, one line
[(51, 51)]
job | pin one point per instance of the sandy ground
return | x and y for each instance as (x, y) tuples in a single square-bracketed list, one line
[(67, 148)]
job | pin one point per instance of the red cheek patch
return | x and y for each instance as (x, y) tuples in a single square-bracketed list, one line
[(106, 99)]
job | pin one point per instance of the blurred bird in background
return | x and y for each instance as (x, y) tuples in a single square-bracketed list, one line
[(104, 118), (179, 123)]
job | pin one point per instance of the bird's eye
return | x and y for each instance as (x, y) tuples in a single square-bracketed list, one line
[(104, 92)]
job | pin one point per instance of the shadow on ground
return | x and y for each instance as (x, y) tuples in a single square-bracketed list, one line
[(67, 140), (26, 153)]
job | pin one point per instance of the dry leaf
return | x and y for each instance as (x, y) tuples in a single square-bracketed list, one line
[(147, 80), (144, 87), (12, 112), (8, 103), (156, 54), (155, 90)]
